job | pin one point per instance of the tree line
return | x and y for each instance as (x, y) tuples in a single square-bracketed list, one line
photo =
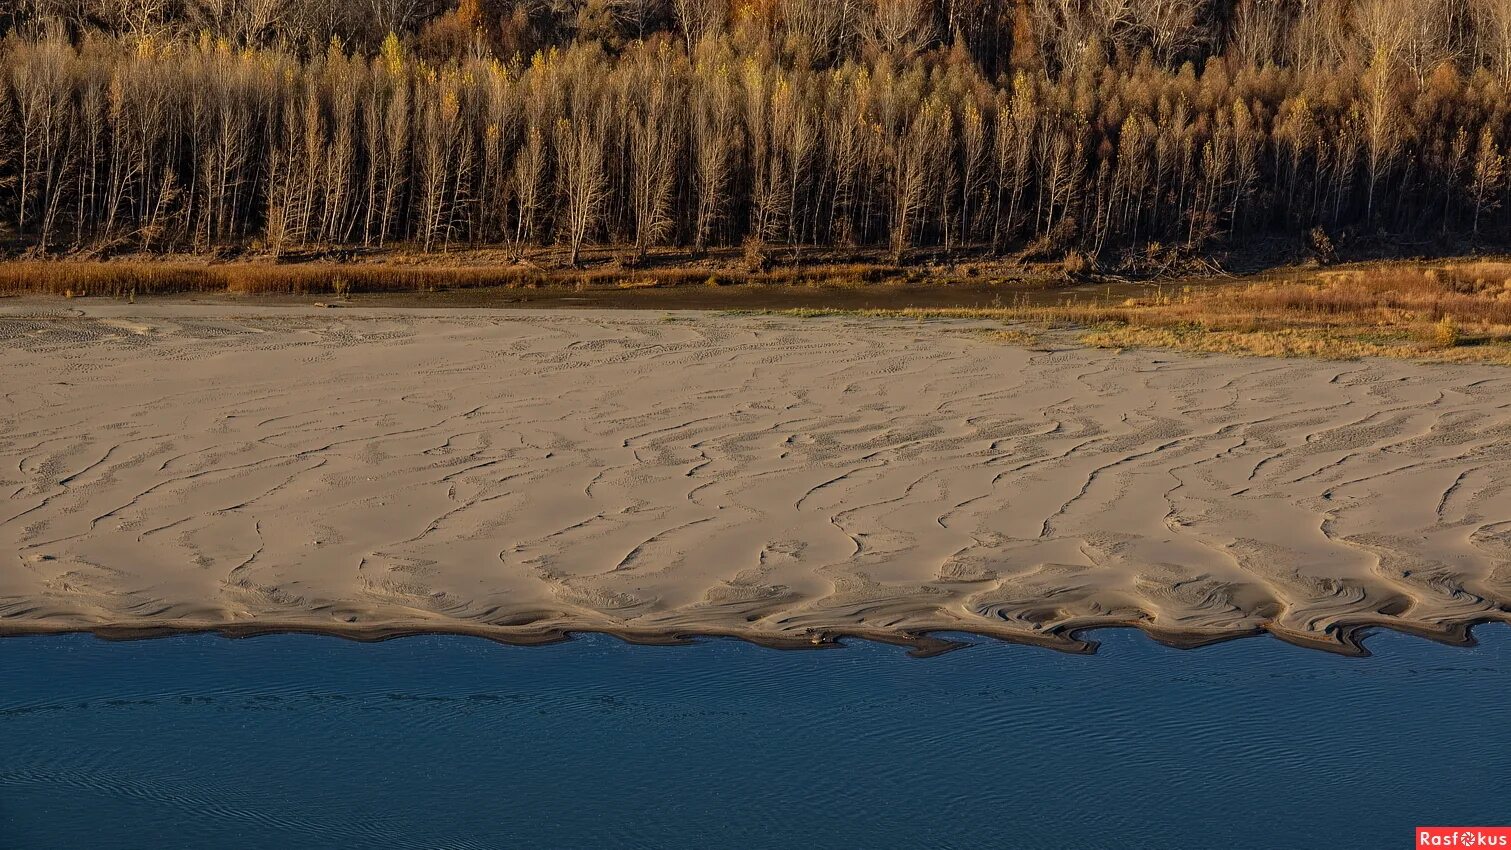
[(1126, 130)]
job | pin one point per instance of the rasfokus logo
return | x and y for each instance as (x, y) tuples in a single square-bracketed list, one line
[(1463, 836)]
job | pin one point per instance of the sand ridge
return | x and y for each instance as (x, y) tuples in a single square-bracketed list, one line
[(523, 475)]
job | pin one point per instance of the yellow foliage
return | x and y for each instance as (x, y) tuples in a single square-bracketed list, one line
[(392, 54)]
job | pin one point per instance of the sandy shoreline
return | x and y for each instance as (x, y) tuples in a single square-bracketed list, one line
[(524, 475)]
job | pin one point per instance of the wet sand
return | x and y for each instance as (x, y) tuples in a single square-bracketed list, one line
[(525, 474)]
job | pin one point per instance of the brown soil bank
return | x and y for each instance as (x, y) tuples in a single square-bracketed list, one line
[(522, 475), (473, 270), (1445, 311)]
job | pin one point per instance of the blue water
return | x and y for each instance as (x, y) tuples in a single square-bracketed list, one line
[(444, 742)]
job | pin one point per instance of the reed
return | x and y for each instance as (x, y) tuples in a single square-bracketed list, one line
[(73, 278), (1457, 312)]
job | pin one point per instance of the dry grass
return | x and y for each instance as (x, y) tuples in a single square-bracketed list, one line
[(1281, 343), (153, 278), (1451, 312), (72, 278), (1457, 312)]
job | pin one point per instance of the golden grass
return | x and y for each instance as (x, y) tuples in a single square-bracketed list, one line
[(74, 278), (1459, 313), (1281, 343), (1449, 312), (116, 279)]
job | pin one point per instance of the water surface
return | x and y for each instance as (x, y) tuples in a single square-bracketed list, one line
[(297, 741)]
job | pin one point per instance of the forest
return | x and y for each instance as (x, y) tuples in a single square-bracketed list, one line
[(1127, 134)]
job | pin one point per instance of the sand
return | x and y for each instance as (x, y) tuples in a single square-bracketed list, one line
[(524, 475)]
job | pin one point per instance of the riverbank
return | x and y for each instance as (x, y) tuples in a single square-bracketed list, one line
[(398, 272), (1443, 311)]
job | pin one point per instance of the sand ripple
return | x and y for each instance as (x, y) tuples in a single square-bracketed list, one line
[(526, 474)]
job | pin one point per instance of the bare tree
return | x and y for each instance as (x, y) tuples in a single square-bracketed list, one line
[(1256, 32), (1062, 34), (900, 27), (1381, 123), (1411, 33), (698, 19), (654, 88), (395, 16), (1493, 26), (500, 131), (1170, 27), (1487, 186), (1319, 34), (132, 17), (437, 135), (394, 103), (715, 141), (849, 136), (532, 160), (41, 80), (763, 90), (916, 154), (820, 30), (242, 21), (1013, 146), (975, 156), (795, 135), (581, 163), (639, 18)]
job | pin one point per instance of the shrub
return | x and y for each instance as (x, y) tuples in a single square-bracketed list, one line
[(1445, 334), (1077, 264)]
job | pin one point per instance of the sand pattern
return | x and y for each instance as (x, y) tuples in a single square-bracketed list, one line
[(524, 475)]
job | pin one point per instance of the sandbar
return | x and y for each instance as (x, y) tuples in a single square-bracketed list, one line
[(522, 475)]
